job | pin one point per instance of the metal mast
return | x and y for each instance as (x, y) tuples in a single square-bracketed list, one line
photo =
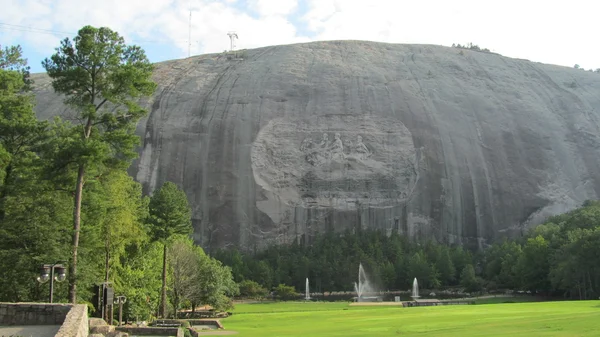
[(190, 35), (232, 37)]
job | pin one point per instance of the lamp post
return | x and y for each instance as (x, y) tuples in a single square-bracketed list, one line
[(120, 300), (47, 272)]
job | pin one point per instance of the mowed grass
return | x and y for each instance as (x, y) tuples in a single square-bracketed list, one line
[(580, 318), (516, 299)]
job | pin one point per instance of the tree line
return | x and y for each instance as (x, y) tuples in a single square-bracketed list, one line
[(65, 195), (558, 258)]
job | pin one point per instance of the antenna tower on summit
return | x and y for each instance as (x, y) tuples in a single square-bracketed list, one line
[(232, 37), (190, 35)]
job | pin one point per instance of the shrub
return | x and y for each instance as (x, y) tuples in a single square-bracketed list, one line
[(284, 292), (252, 289), (471, 46)]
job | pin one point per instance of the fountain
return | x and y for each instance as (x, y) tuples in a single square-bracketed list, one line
[(415, 289), (364, 287), (307, 293)]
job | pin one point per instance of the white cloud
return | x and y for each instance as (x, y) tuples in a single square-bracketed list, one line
[(151, 21), (274, 7), (548, 31)]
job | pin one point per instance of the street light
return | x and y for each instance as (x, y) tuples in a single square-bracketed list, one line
[(47, 272), (120, 300)]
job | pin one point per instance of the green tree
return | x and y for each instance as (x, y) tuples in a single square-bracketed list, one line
[(140, 279), (388, 275), (285, 292), (445, 267), (534, 265), (185, 272), (460, 258), (469, 280), (115, 211), (11, 59), (123, 213), (262, 273), (216, 283), (251, 289), (501, 264), (20, 132), (425, 273), (509, 277), (4, 160), (101, 79), (31, 214), (169, 215)]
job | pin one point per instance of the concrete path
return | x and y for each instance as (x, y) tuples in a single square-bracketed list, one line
[(217, 333), (29, 330)]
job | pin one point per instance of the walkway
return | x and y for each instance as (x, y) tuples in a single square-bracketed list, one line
[(29, 330)]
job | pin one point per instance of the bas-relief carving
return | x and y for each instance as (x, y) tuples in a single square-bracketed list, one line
[(325, 152), (370, 162)]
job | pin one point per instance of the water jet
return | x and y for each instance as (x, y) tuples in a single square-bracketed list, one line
[(365, 287), (307, 292), (415, 289)]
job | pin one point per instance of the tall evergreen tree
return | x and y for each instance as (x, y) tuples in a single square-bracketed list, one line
[(468, 279), (169, 215), (445, 266), (31, 214), (101, 78), (20, 131)]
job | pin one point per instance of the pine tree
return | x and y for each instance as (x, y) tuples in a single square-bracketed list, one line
[(101, 79), (169, 215)]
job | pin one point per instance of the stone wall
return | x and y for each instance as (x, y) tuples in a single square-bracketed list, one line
[(76, 323), (215, 322), (153, 331), (73, 319), (33, 313)]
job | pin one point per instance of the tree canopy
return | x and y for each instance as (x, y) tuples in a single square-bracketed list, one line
[(101, 79), (169, 215)]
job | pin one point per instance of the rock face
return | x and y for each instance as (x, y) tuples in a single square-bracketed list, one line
[(433, 142)]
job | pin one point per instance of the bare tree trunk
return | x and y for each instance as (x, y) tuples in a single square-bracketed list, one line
[(106, 259), (175, 305), (77, 217), (163, 297), (592, 291), (106, 274), (76, 229)]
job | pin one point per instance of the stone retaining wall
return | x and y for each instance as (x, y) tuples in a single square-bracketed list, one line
[(155, 331), (206, 321), (33, 313), (76, 323), (73, 319)]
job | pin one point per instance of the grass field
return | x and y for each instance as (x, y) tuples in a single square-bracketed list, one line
[(338, 319)]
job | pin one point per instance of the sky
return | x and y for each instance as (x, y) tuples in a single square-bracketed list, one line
[(548, 31)]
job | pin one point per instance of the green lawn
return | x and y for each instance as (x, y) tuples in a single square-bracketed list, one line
[(501, 299), (339, 319)]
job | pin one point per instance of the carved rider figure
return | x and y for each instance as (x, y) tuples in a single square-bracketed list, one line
[(362, 151), (307, 144), (307, 147), (337, 149), (324, 142)]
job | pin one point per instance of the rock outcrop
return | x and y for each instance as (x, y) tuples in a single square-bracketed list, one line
[(430, 141)]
